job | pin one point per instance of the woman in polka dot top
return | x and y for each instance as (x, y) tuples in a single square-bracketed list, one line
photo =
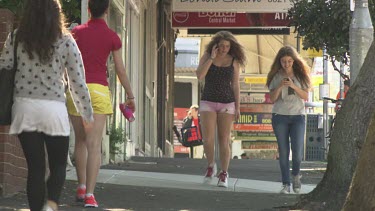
[(220, 104), (46, 52)]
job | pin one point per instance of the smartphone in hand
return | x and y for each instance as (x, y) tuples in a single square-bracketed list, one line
[(290, 91)]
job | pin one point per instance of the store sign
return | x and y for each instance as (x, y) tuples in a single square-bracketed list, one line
[(228, 19), (251, 97), (254, 127), (254, 134), (181, 149), (254, 118), (256, 80), (249, 135), (243, 31), (255, 122), (254, 6), (256, 108), (259, 145)]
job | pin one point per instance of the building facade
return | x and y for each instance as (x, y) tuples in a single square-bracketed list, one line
[(144, 27)]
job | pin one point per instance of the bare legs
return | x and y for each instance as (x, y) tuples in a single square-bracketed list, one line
[(80, 151), (87, 150), (224, 122), (224, 126), (208, 124)]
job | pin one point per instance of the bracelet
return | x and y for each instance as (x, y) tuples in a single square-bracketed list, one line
[(130, 98), (212, 58)]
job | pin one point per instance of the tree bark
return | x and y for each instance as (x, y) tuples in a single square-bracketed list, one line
[(348, 136), (362, 189)]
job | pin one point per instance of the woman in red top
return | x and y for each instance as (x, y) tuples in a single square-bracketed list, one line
[(95, 41)]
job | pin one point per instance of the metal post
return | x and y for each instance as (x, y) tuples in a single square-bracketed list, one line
[(360, 37), (325, 102), (342, 65), (191, 152), (84, 11), (298, 47)]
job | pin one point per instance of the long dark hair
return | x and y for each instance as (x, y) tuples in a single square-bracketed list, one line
[(300, 68), (41, 25)]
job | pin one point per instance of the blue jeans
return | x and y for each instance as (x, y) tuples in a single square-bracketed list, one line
[(289, 127)]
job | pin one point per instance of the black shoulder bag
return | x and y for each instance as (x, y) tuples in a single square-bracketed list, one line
[(191, 135), (7, 87)]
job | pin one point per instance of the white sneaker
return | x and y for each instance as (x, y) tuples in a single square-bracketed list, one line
[(210, 173), (223, 179), (285, 189), (47, 208), (297, 183)]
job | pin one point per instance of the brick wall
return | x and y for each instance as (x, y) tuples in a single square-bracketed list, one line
[(13, 170), (6, 25)]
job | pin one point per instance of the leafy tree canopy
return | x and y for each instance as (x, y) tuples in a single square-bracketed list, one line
[(71, 8), (325, 23)]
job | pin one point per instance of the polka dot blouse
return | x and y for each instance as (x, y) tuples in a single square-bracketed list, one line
[(46, 81)]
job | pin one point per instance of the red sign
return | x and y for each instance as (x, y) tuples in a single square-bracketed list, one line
[(231, 5), (228, 19), (253, 127), (256, 108), (180, 113), (181, 149)]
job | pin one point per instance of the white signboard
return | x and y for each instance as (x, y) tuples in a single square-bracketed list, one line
[(249, 6)]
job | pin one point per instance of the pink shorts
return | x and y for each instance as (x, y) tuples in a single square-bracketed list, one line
[(229, 108)]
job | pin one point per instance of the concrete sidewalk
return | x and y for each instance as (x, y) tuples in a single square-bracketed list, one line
[(183, 181), (160, 184)]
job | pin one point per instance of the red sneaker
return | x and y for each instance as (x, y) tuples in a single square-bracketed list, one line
[(223, 179), (210, 173), (81, 192), (90, 201)]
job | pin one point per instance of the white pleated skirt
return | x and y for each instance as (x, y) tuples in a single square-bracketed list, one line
[(46, 116)]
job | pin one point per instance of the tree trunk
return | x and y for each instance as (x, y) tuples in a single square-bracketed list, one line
[(348, 136), (362, 189)]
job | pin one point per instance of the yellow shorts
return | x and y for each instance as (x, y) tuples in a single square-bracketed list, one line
[(100, 100)]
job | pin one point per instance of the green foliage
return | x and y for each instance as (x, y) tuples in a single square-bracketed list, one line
[(371, 8), (116, 137), (71, 8), (15, 6), (325, 23)]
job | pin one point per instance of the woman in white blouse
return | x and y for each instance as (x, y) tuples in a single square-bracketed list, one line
[(46, 51)]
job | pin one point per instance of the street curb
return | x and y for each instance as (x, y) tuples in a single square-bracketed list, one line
[(184, 181)]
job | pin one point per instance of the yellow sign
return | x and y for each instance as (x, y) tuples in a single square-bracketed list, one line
[(314, 53), (316, 80), (255, 80), (311, 53)]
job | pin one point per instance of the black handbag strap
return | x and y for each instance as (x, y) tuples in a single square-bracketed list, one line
[(15, 47)]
